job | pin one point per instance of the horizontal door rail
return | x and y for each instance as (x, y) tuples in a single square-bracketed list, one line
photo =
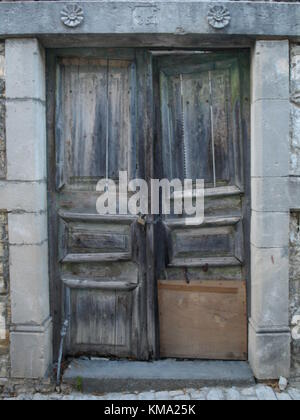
[(105, 257), (100, 285)]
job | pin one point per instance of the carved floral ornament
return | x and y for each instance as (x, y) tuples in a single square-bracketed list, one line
[(72, 15), (219, 17)]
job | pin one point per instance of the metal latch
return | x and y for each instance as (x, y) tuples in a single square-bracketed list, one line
[(142, 220)]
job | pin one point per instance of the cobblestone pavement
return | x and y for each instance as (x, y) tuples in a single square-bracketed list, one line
[(259, 392)]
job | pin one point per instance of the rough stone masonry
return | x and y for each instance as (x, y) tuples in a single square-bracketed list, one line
[(4, 284), (295, 216)]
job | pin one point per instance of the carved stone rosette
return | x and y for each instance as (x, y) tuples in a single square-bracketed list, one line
[(219, 17), (72, 15)]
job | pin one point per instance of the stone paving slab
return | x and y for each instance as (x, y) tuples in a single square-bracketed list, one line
[(102, 376), (254, 393)]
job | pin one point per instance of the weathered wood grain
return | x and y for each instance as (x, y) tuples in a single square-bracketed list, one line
[(204, 319), (98, 263), (210, 144), (98, 285), (95, 133), (110, 110)]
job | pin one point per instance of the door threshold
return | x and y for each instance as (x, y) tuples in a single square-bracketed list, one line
[(105, 376)]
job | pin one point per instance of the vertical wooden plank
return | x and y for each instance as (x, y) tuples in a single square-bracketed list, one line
[(124, 307), (236, 125), (132, 164), (221, 119), (120, 117), (176, 126), (59, 127), (197, 126), (94, 317), (167, 127), (244, 69), (56, 299), (83, 110), (88, 112), (146, 171)]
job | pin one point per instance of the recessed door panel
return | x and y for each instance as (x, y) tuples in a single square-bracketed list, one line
[(95, 120)]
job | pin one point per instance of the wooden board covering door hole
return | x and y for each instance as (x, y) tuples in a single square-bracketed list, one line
[(203, 319)]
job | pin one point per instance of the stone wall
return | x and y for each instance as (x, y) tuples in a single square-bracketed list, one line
[(2, 114), (4, 284), (4, 297), (295, 291), (295, 216)]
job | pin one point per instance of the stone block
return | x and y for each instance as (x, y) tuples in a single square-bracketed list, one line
[(269, 354), (3, 253), (294, 193), (270, 229), (27, 228), (295, 292), (31, 354), (29, 283), (270, 287), (23, 196), (270, 138), (25, 69), (270, 194), (4, 365), (295, 68), (26, 140), (270, 70), (295, 140), (2, 282), (3, 320), (294, 393), (265, 393), (2, 124), (2, 164)]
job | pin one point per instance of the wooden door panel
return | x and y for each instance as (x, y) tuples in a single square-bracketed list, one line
[(219, 240), (101, 284), (200, 119), (101, 321), (202, 102), (196, 125), (100, 121), (207, 318), (97, 268), (221, 107), (91, 236), (95, 103)]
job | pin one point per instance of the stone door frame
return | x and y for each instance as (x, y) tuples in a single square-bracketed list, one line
[(24, 192)]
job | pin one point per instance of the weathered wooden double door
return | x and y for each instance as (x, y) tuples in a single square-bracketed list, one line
[(160, 287)]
